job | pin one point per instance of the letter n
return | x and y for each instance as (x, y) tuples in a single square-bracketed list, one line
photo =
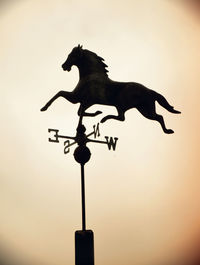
[(96, 131)]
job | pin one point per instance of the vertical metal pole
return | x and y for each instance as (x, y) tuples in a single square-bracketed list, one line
[(83, 197), (84, 239)]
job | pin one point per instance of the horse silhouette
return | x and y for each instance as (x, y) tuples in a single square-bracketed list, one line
[(95, 87)]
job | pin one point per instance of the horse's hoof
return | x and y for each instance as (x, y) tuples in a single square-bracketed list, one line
[(103, 120), (43, 109), (98, 112), (169, 131)]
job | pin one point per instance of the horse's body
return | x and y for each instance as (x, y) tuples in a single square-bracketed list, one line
[(94, 87)]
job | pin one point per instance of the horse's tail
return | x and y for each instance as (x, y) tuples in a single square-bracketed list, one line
[(163, 102)]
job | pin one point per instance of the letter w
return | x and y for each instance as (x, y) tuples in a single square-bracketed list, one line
[(111, 143)]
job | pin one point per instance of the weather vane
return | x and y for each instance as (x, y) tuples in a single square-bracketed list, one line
[(95, 87)]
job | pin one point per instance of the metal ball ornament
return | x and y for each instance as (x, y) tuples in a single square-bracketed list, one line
[(82, 154)]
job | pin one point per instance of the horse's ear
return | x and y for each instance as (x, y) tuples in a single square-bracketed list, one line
[(80, 50)]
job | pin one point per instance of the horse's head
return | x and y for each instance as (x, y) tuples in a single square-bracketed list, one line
[(73, 58)]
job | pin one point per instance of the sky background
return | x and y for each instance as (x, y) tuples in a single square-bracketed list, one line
[(143, 200)]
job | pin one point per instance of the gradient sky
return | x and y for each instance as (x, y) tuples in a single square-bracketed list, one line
[(142, 200)]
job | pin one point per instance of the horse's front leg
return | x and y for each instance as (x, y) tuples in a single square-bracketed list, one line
[(120, 116), (67, 95), (81, 112)]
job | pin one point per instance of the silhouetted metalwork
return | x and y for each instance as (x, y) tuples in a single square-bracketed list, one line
[(95, 87), (82, 139), (84, 247), (84, 239)]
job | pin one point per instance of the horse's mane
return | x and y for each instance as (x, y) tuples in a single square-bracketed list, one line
[(97, 61)]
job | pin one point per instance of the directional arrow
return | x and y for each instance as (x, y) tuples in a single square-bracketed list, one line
[(82, 138)]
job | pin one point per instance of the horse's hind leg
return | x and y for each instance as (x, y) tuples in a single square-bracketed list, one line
[(148, 111), (120, 116), (160, 119)]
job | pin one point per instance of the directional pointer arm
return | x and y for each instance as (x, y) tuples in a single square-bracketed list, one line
[(57, 136)]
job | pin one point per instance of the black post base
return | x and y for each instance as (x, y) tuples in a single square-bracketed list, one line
[(84, 247)]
